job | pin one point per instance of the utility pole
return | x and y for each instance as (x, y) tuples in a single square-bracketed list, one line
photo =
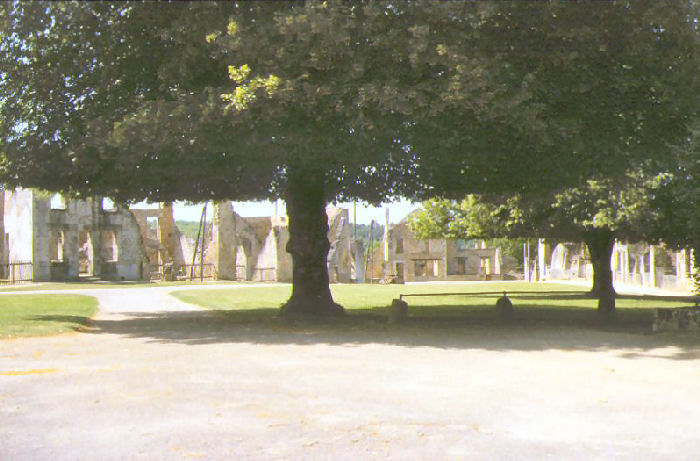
[(200, 232)]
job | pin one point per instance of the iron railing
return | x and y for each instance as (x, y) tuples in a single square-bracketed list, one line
[(16, 272)]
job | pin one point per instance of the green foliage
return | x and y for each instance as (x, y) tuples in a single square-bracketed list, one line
[(676, 196), (469, 219), (188, 228), (363, 234), (38, 315), (226, 99), (621, 206)]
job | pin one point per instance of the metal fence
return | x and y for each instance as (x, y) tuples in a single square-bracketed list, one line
[(20, 271), (184, 272)]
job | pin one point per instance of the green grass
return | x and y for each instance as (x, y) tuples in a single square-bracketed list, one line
[(533, 303), (40, 315)]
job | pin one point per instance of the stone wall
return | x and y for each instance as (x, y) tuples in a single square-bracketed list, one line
[(77, 239), (632, 264), (162, 246), (256, 246), (411, 259), (18, 224)]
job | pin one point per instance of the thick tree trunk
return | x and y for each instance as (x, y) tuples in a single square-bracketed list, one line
[(600, 244), (308, 244)]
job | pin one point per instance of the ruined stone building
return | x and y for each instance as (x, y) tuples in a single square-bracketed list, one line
[(255, 248), (404, 256), (62, 239), (632, 264), (161, 240), (71, 239)]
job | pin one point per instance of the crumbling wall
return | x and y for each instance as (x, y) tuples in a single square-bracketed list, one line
[(340, 239), (130, 261), (256, 246), (223, 247), (164, 247), (62, 242), (3, 235), (169, 236), (284, 259), (19, 224)]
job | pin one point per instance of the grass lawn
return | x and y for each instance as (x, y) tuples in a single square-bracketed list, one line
[(40, 315), (533, 303)]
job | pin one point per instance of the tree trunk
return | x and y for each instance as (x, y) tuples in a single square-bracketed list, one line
[(308, 244), (600, 244)]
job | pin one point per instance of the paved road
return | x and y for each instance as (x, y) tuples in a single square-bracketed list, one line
[(159, 379)]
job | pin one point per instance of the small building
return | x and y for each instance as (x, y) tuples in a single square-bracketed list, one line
[(410, 259)]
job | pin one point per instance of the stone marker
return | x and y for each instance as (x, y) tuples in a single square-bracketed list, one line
[(683, 318), (398, 311), (504, 308)]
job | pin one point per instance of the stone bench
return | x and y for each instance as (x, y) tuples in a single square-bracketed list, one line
[(682, 318)]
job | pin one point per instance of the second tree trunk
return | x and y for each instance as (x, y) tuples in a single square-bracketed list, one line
[(600, 244)]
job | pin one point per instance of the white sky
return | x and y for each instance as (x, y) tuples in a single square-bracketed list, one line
[(365, 213)]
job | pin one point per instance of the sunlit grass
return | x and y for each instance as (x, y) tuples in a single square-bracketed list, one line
[(468, 303), (39, 315)]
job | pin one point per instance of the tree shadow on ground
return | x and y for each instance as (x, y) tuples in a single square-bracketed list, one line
[(551, 295), (75, 322), (443, 326)]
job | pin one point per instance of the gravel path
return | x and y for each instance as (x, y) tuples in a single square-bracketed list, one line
[(159, 379)]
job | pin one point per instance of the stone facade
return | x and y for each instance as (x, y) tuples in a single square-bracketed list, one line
[(410, 259), (161, 241), (77, 238), (639, 264), (254, 248)]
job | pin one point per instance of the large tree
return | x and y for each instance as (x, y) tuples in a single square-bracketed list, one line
[(315, 102), (676, 200), (596, 213), (610, 92)]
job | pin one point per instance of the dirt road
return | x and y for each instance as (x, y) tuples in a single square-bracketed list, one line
[(159, 379)]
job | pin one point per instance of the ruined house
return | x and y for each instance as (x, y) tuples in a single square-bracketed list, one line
[(161, 241), (403, 256), (55, 239), (69, 239), (254, 248)]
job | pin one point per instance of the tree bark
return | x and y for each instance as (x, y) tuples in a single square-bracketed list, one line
[(600, 244), (308, 244)]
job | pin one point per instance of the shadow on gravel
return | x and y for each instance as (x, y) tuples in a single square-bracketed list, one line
[(532, 330)]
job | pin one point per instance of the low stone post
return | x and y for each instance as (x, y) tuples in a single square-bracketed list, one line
[(504, 308), (398, 311)]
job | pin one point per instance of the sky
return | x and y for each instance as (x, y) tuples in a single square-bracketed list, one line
[(365, 213)]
